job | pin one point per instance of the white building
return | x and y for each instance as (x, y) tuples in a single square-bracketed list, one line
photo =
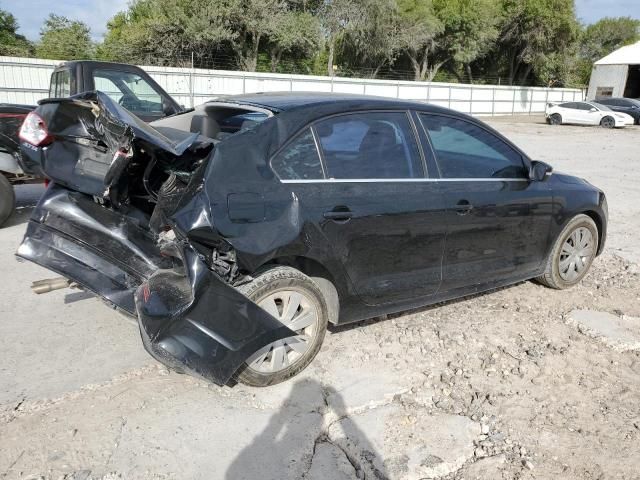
[(617, 74)]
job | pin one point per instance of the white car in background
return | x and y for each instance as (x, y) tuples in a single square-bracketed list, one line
[(586, 113)]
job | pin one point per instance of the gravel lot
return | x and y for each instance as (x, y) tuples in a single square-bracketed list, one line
[(524, 382)]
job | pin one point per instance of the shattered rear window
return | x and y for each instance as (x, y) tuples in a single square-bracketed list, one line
[(299, 160)]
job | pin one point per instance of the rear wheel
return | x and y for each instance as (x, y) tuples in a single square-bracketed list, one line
[(7, 199), (297, 301), (572, 254), (607, 122), (555, 119)]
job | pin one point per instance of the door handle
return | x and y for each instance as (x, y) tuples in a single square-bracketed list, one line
[(463, 207), (339, 214)]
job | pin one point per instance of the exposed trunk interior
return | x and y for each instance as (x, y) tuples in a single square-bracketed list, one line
[(142, 170)]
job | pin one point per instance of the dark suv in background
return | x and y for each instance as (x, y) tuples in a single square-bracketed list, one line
[(630, 106)]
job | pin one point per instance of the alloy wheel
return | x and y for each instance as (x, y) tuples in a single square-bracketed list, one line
[(576, 254), (298, 312), (608, 122), (555, 119)]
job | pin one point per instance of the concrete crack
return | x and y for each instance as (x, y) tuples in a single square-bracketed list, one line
[(123, 423), (323, 437)]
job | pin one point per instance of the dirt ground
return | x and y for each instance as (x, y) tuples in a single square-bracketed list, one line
[(524, 382)]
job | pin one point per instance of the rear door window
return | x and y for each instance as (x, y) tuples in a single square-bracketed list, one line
[(371, 145), (299, 159), (465, 150)]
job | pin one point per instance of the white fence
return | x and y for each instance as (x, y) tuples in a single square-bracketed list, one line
[(26, 80)]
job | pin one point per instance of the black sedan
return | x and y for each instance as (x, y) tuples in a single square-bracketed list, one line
[(630, 106), (235, 247)]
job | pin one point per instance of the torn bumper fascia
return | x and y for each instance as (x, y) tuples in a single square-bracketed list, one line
[(199, 324), (189, 318)]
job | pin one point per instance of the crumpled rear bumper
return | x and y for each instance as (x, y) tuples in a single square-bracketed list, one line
[(189, 318), (199, 324)]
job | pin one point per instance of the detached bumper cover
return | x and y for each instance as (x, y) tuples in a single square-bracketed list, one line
[(200, 324), (189, 318)]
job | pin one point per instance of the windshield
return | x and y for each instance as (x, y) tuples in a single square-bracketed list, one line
[(131, 91), (600, 106)]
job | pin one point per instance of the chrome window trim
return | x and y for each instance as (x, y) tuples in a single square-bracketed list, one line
[(406, 180)]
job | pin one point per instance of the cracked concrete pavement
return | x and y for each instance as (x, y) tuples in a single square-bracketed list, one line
[(523, 382)]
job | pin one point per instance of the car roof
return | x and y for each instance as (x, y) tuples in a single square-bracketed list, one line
[(286, 101), (295, 111)]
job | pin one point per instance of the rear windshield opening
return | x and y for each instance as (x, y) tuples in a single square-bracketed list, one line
[(215, 121)]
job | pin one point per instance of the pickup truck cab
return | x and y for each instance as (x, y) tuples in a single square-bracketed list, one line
[(130, 86)]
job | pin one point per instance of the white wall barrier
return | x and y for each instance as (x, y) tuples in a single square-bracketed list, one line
[(26, 80)]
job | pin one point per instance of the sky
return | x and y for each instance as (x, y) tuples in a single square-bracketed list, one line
[(96, 13)]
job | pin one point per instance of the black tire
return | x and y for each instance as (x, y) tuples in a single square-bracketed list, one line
[(270, 281), (555, 119), (551, 277), (608, 122), (7, 199)]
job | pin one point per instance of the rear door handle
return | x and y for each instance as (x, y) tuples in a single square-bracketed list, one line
[(339, 214), (463, 207)]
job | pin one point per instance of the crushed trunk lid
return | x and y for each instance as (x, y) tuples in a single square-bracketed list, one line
[(94, 141)]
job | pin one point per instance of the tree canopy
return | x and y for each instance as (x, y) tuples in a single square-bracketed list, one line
[(12, 43), (526, 42), (602, 38), (64, 39)]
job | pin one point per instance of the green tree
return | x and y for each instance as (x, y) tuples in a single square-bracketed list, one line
[(373, 41), (339, 18), (470, 30), (293, 33), (12, 43), (601, 38), (166, 32), (533, 33), (170, 31), (418, 27), (251, 22), (64, 39)]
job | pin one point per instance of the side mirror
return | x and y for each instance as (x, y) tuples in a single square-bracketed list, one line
[(539, 171), (593, 110)]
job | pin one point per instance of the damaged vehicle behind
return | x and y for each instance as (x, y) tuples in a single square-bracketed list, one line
[(237, 231)]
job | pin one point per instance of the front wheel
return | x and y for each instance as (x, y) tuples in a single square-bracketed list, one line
[(607, 122), (572, 254), (7, 199), (297, 301)]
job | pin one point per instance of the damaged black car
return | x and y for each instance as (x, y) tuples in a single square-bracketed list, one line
[(237, 231)]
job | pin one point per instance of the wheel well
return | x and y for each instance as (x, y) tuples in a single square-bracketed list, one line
[(598, 221), (319, 273)]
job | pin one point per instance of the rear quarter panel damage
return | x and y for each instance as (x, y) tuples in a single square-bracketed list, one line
[(198, 323)]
